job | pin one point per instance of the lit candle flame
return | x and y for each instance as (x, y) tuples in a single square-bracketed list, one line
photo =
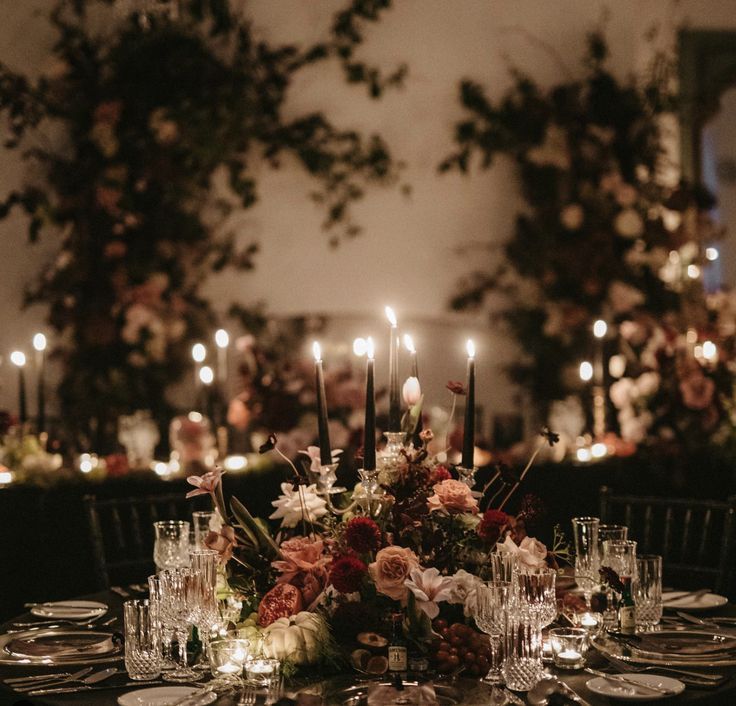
[(18, 358), (586, 371), (360, 347), (710, 351), (409, 343), (470, 347), (317, 352), (222, 338), (199, 352), (391, 317), (370, 348), (39, 342), (206, 375), (600, 328)]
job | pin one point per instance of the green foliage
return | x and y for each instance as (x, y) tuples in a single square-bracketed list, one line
[(145, 120)]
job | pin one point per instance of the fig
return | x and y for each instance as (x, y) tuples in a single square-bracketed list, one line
[(360, 659), (372, 640), (377, 665)]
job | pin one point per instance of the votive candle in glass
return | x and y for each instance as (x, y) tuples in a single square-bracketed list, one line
[(228, 656), (569, 647)]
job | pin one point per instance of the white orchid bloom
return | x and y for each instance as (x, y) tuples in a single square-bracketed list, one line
[(429, 588)]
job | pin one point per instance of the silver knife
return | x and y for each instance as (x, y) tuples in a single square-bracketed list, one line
[(25, 686), (79, 689), (695, 620), (91, 679), (36, 677)]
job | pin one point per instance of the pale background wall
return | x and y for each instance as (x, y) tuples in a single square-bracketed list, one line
[(408, 255)]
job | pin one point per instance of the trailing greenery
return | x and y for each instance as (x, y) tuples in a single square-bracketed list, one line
[(141, 144)]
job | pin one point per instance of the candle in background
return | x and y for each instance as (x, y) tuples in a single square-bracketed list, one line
[(600, 328), (199, 353), (369, 436), (394, 394), (586, 371), (222, 341), (18, 358), (469, 431), (325, 452), (207, 377), (39, 344), (409, 345)]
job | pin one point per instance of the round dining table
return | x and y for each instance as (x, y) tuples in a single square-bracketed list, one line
[(327, 692)]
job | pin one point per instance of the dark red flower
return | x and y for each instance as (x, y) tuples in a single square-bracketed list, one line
[(439, 474), (347, 574), (492, 524), (457, 388), (362, 535)]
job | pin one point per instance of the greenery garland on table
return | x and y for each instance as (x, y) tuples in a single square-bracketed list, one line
[(144, 122), (603, 237)]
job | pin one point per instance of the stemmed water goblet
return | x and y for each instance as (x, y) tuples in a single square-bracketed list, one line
[(536, 591), (587, 560), (491, 604), (171, 545), (180, 589)]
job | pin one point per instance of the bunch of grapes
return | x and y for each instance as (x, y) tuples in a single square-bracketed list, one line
[(458, 645)]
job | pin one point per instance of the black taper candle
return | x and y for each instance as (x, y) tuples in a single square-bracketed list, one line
[(22, 396), (41, 392), (325, 452), (469, 430), (369, 436)]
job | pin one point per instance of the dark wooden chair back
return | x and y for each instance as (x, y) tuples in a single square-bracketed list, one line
[(695, 538), (122, 537)]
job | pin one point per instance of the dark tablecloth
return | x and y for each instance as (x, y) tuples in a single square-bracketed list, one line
[(726, 694)]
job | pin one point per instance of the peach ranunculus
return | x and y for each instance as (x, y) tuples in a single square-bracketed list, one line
[(452, 496), (300, 555), (391, 569), (223, 542), (697, 391)]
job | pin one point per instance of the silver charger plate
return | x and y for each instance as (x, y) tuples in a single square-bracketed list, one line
[(629, 652), (17, 648)]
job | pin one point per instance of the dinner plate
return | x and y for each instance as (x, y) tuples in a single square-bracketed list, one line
[(161, 696), (58, 646), (629, 652), (69, 610), (683, 600), (686, 643), (629, 692)]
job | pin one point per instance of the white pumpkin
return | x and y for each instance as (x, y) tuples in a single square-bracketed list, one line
[(298, 639)]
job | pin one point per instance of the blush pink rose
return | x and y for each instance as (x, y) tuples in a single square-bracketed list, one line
[(452, 496), (300, 555), (697, 391), (532, 552), (391, 569)]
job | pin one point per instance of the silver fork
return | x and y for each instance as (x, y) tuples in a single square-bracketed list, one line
[(637, 669), (248, 696)]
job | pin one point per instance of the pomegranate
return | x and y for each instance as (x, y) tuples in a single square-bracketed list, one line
[(282, 601)]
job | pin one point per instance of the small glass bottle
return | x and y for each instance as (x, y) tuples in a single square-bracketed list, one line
[(626, 608), (397, 650)]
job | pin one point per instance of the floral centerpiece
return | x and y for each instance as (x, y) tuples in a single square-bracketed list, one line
[(321, 578)]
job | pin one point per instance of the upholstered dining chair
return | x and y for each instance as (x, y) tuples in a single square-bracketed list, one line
[(696, 538), (121, 533)]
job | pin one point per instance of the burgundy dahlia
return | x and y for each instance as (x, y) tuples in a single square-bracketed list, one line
[(492, 524), (362, 535), (347, 574)]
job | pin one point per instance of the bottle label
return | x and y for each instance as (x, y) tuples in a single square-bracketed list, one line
[(397, 658), (627, 618)]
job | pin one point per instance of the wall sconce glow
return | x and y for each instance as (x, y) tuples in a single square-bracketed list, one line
[(617, 365), (583, 454), (39, 342), (598, 450), (391, 317), (710, 351), (317, 351), (711, 254), (195, 417), (199, 352), (370, 349), (235, 463), (360, 347), (222, 339), (693, 271), (586, 371), (470, 348), (600, 328), (409, 343), (206, 375), (18, 358)]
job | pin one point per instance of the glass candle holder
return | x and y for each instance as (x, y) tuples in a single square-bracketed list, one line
[(263, 671), (228, 656), (569, 647), (592, 623)]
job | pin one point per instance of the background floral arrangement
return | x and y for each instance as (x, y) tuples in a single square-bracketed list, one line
[(602, 237), (142, 142)]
